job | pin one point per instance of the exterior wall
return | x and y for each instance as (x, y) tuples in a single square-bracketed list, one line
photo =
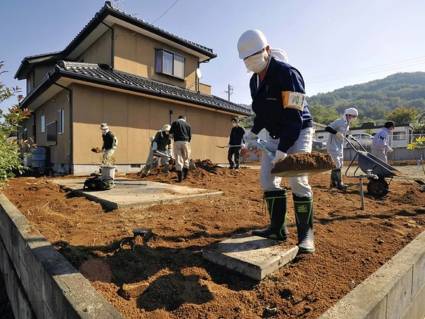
[(40, 72), (134, 119), (135, 53), (61, 152), (99, 51), (205, 88)]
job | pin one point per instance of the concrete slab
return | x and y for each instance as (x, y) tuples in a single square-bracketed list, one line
[(132, 193), (252, 256)]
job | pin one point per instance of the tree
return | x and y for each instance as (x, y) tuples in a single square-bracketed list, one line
[(10, 161), (403, 115)]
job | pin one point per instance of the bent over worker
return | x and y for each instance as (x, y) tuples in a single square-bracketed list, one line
[(338, 129), (381, 142), (235, 144), (182, 135), (278, 101), (110, 143)]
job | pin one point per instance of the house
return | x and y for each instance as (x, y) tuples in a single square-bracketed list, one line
[(130, 74), (401, 136)]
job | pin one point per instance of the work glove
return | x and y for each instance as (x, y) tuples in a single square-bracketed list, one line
[(339, 136), (250, 139), (279, 156), (154, 146)]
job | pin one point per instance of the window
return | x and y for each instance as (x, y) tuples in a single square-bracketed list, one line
[(399, 136), (61, 121), (43, 123), (169, 63)]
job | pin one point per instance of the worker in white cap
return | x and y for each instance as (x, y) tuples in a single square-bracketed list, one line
[(280, 107), (338, 130), (160, 151), (110, 143)]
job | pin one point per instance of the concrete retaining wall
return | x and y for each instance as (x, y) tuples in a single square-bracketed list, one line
[(394, 291), (39, 281)]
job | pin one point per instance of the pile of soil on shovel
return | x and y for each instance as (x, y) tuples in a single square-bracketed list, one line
[(304, 162)]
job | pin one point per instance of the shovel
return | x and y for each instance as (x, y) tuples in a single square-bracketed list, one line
[(276, 171)]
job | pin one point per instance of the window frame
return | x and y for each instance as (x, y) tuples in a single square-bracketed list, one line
[(159, 67)]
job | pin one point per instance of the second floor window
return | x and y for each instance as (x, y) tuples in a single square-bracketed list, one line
[(169, 63)]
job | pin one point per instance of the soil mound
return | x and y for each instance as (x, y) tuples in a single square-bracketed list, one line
[(304, 162)]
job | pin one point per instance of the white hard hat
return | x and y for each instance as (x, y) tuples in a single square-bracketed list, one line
[(166, 127), (250, 42), (351, 111), (280, 55)]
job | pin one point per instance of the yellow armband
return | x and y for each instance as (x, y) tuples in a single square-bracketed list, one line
[(293, 100)]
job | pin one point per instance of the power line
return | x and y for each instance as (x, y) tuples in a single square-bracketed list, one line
[(166, 11)]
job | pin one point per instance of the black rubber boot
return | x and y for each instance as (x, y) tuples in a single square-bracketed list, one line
[(334, 179), (179, 176), (340, 185), (185, 172), (276, 206), (304, 220)]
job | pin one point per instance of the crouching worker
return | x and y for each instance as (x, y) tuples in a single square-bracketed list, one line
[(182, 135), (162, 144), (338, 129), (110, 143), (278, 101)]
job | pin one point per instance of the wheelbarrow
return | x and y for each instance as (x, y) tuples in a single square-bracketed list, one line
[(378, 173)]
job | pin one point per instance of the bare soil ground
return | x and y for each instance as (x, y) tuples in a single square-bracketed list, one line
[(170, 277)]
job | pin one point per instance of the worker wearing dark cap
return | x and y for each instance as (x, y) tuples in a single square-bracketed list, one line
[(235, 144)]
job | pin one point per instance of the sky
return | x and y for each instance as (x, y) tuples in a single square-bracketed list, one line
[(333, 43)]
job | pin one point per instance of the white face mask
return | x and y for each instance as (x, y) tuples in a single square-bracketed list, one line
[(258, 62)]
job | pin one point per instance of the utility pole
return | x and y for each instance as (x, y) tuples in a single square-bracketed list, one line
[(229, 91)]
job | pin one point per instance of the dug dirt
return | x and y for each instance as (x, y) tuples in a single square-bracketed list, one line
[(304, 162), (168, 278)]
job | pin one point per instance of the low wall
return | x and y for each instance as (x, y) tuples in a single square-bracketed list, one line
[(39, 281), (394, 291)]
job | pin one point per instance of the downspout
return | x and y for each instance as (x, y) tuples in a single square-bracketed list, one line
[(71, 126), (112, 43)]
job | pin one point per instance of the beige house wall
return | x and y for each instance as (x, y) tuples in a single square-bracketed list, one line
[(205, 89), (135, 53), (133, 119), (61, 152), (99, 51)]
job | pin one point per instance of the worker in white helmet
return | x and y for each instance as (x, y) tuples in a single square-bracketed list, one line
[(280, 107), (338, 129)]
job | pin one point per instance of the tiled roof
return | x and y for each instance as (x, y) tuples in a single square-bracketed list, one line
[(102, 74), (98, 18)]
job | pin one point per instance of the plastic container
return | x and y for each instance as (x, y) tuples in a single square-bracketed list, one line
[(108, 171)]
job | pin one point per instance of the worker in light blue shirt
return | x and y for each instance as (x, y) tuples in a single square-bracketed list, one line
[(381, 142)]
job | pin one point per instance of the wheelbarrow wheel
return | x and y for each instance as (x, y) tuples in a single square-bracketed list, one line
[(377, 187)]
